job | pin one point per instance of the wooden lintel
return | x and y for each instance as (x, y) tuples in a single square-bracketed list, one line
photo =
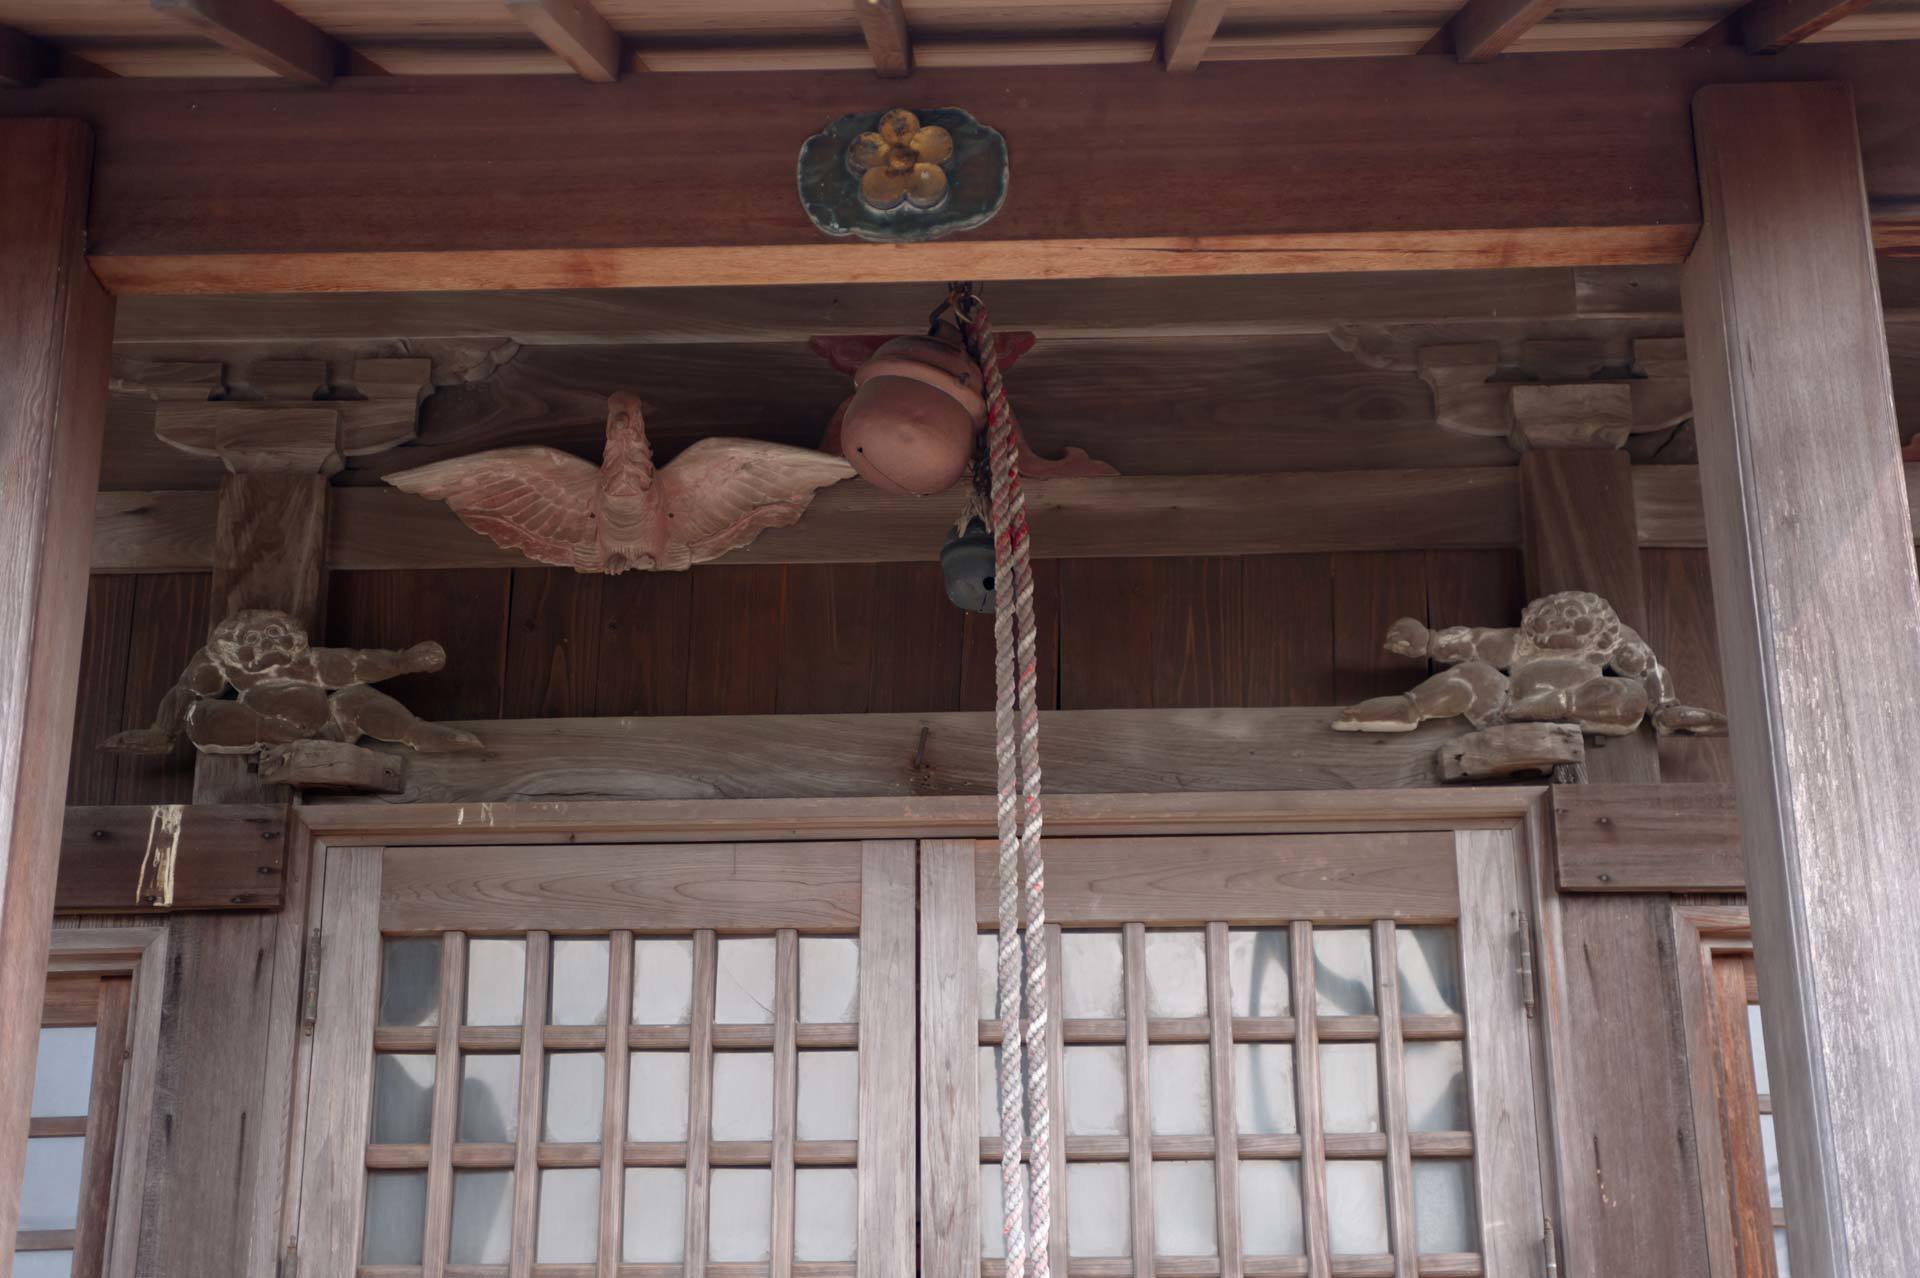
[(1648, 838), (1485, 28), (577, 33), (1768, 26), (884, 24), (266, 32), (114, 859), (854, 755)]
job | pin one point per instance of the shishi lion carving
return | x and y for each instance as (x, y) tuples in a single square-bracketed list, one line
[(1571, 660)]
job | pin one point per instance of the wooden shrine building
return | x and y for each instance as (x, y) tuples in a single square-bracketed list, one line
[(641, 923)]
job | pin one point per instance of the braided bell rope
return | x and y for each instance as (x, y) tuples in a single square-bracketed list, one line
[(1026, 1117)]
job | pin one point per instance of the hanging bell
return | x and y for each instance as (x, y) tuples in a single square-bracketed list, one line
[(910, 425), (967, 563)]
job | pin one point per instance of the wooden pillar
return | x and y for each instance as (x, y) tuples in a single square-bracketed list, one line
[(56, 336), (1819, 616)]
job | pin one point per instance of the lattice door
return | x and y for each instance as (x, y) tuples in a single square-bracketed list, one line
[(600, 1061), (1273, 1055)]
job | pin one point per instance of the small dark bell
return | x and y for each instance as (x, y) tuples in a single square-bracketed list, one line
[(967, 562)]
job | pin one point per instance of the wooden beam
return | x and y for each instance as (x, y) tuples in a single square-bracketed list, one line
[(1647, 838), (575, 31), (1768, 26), (56, 327), (884, 24), (851, 755), (1485, 28), (265, 32), (23, 59), (225, 857), (1189, 30), (1815, 591), (1606, 153)]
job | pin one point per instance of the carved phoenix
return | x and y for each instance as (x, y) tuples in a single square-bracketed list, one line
[(624, 514)]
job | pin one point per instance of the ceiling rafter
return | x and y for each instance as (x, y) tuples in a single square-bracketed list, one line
[(884, 23), (1768, 26), (1189, 30), (575, 31), (23, 60), (267, 33), (1487, 28)]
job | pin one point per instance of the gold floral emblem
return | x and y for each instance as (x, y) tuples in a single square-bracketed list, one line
[(902, 161)]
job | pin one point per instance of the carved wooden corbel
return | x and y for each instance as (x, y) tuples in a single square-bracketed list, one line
[(1562, 394)]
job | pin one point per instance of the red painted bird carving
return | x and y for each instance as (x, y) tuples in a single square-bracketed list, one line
[(624, 514)]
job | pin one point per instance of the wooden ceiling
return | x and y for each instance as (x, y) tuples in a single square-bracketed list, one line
[(312, 41)]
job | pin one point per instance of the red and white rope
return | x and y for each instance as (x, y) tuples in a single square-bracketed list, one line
[(1026, 1119)]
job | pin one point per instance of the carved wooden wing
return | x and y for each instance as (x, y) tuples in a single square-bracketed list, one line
[(538, 501), (722, 493)]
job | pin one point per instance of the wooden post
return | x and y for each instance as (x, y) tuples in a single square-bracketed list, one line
[(56, 333), (1814, 586)]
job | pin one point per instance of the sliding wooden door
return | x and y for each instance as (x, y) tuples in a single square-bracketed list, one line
[(601, 1061), (1273, 1054)]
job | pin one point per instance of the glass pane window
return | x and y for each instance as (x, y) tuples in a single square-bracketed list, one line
[(1183, 1214), (829, 1106), (1436, 1077), (63, 1071), (743, 1096), (826, 1214), (654, 1225), (1179, 1089), (1259, 966), (1356, 1208), (410, 981), (1176, 974), (396, 1222), (1443, 1212), (496, 981), (402, 1098), (1263, 1089), (662, 981), (829, 980), (482, 1217), (1270, 1223), (1099, 1215), (1429, 959), (657, 1088), (569, 1229), (740, 1214), (1350, 1087), (744, 994), (489, 1094), (1094, 1082), (576, 1081), (578, 992), (1091, 976), (1343, 971), (50, 1182)]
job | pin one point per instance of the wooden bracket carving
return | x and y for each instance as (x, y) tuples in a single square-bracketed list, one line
[(1511, 750), (333, 765), (290, 429), (1562, 394)]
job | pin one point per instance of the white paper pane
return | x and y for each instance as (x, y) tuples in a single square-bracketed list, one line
[(1343, 971), (1757, 1045), (1176, 973), (1429, 970), (1356, 1208), (993, 1212), (569, 1230), (1263, 1089), (396, 1225), (662, 981), (1092, 985), (1183, 1209), (1350, 1087), (496, 981), (577, 994), (1443, 1214), (63, 1071), (482, 1217), (829, 979), (988, 1070), (1259, 970), (826, 1213), (1436, 1088), (43, 1264), (1779, 1254), (489, 1097), (576, 1084), (743, 1096), (402, 1098), (1180, 1093), (829, 1105), (657, 1085), (744, 994), (1098, 1220), (986, 974), (50, 1186), (654, 1229), (410, 981), (1771, 1149), (1270, 1208), (1094, 1082), (740, 1215)]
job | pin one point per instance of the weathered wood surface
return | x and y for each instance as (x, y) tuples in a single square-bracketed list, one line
[(884, 24), (889, 981), (1817, 602), (1606, 147), (229, 857), (576, 33), (1084, 752), (949, 1118), (1510, 750), (1647, 838), (265, 32), (1485, 29), (55, 326), (1680, 627)]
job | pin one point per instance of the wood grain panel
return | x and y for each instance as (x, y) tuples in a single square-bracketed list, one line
[(466, 611), (553, 645), (920, 642), (1288, 617), (977, 652), (733, 612), (673, 887), (269, 545), (825, 647), (888, 979), (1245, 879), (1667, 837), (230, 857), (108, 639), (1370, 593), (1199, 632), (643, 647), (1106, 634), (171, 617), (1681, 628)]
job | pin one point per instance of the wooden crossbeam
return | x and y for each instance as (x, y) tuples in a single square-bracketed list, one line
[(884, 23), (23, 59), (1189, 30), (575, 31), (1647, 838), (268, 33), (1484, 29), (224, 857), (1768, 26)]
